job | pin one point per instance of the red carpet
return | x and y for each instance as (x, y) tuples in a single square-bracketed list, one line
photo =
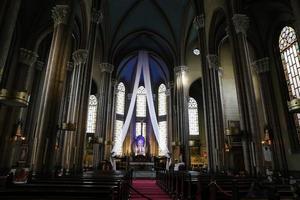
[(149, 189)]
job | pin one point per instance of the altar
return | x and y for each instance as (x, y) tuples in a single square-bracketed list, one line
[(146, 166)]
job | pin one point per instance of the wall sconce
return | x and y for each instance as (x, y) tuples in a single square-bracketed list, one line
[(227, 147), (267, 139), (18, 136)]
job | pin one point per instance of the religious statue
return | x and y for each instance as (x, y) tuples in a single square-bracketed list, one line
[(140, 145)]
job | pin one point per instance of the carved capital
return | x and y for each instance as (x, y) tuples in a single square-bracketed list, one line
[(241, 23), (39, 65), (60, 14), (213, 61), (70, 66), (27, 57), (97, 16), (80, 57), (199, 22), (180, 69), (262, 65), (106, 67)]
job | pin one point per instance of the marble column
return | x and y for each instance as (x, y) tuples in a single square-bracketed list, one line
[(217, 130), (181, 102), (262, 68), (249, 123), (103, 113), (7, 30), (53, 88), (96, 18)]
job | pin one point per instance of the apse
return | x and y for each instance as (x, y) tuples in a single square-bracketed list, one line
[(148, 124)]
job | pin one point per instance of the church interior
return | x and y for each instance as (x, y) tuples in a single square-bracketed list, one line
[(150, 99)]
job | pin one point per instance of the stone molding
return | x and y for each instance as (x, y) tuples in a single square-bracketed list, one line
[(60, 14), (27, 57), (180, 69), (80, 57), (39, 65), (261, 65), (97, 16), (241, 23), (106, 67), (199, 22), (213, 61)]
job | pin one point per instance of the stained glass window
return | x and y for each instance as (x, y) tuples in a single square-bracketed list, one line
[(193, 117), (141, 102), (117, 136), (162, 100), (289, 50), (120, 102), (92, 114), (138, 129), (162, 135)]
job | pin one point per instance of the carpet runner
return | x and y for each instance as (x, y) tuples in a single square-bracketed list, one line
[(149, 189)]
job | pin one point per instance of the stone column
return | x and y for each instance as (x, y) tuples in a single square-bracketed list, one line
[(170, 87), (103, 113), (19, 96), (217, 130), (32, 109), (199, 23), (52, 95), (295, 4), (262, 68), (7, 30), (96, 18), (246, 96), (181, 101)]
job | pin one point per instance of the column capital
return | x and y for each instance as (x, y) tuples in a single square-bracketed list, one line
[(80, 56), (213, 61), (261, 65), (199, 22), (241, 23), (180, 69), (39, 65), (60, 14), (27, 57), (106, 67), (70, 66), (96, 16)]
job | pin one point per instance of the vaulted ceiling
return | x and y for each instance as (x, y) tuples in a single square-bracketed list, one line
[(163, 27)]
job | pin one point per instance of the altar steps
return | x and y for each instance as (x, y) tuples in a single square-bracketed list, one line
[(140, 174)]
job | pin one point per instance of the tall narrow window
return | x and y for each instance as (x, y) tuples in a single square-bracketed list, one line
[(92, 115), (162, 100), (162, 113), (193, 117), (141, 102), (120, 108), (289, 50)]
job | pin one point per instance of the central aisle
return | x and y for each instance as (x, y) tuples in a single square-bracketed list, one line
[(149, 189)]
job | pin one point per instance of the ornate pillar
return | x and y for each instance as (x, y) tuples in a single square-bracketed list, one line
[(217, 130), (7, 30), (246, 96), (262, 68), (52, 93), (19, 97), (86, 85), (103, 113), (181, 102)]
